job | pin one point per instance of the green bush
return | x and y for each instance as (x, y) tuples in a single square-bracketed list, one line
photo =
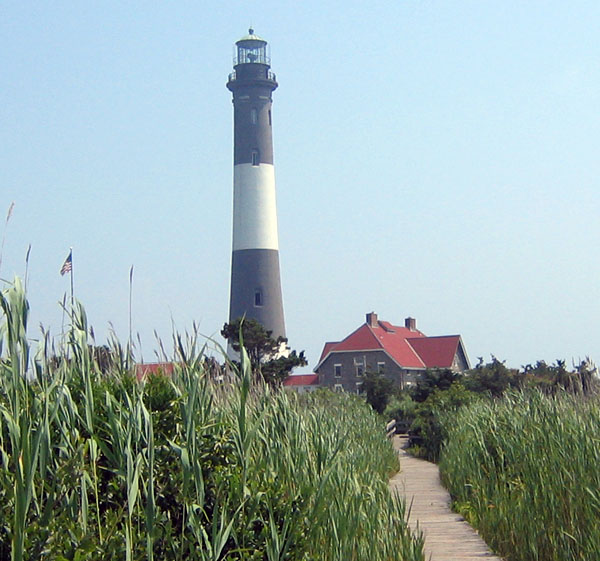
[(434, 416), (402, 409), (378, 390)]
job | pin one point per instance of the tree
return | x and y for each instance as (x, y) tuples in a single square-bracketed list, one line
[(429, 429), (554, 378), (433, 379), (493, 378), (378, 389), (264, 352)]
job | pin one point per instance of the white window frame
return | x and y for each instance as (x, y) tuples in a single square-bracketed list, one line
[(358, 386), (360, 365), (380, 367), (338, 388), (335, 369)]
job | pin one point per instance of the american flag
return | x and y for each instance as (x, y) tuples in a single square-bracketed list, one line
[(68, 264)]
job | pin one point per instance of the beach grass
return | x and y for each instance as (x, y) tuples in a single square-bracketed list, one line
[(95, 464)]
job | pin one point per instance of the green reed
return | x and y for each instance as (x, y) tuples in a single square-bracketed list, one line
[(97, 465), (524, 470)]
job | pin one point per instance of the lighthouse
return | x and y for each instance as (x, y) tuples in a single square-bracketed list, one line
[(255, 279)]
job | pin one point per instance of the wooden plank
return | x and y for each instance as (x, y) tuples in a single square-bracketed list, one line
[(448, 537)]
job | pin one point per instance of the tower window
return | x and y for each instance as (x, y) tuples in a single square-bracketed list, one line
[(255, 158), (258, 297), (270, 123), (253, 116)]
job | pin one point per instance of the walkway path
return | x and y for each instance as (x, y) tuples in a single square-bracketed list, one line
[(447, 536)]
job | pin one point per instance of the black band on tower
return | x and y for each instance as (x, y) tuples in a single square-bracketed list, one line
[(256, 288)]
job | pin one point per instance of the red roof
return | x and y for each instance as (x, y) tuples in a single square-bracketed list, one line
[(408, 348), (143, 370), (384, 336), (328, 346), (302, 380), (436, 351)]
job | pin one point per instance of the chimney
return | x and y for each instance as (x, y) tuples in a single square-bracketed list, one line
[(372, 320), (410, 323)]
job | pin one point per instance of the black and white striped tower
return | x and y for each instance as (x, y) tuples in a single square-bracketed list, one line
[(255, 279)]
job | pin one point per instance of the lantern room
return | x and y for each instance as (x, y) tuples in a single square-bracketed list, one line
[(251, 49)]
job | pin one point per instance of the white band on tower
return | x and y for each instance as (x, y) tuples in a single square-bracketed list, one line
[(254, 207)]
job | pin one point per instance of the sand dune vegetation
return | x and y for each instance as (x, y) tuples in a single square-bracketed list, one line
[(524, 471), (95, 464)]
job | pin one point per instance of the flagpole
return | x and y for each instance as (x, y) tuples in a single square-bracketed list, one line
[(72, 299), (67, 267)]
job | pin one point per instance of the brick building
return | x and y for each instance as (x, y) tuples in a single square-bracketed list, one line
[(399, 353)]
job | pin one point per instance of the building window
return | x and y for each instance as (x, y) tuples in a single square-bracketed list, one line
[(338, 388), (258, 298), (270, 123), (358, 387), (253, 116), (255, 158), (337, 370), (380, 367), (359, 367)]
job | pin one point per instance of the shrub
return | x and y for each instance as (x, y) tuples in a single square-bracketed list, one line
[(433, 417), (378, 390), (402, 409)]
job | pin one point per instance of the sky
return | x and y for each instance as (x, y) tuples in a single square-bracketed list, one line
[(433, 159)]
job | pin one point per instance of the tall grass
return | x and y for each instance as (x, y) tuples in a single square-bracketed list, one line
[(96, 465), (525, 471)]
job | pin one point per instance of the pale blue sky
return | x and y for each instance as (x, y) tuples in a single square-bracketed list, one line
[(433, 159)]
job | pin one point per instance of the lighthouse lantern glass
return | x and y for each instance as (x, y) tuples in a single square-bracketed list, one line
[(250, 52)]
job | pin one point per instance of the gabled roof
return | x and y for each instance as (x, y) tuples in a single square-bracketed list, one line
[(436, 351), (328, 346), (384, 336), (409, 348), (301, 380)]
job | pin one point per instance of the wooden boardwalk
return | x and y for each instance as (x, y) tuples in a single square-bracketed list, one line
[(447, 536)]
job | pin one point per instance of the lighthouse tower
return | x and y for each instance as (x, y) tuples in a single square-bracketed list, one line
[(255, 280)]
